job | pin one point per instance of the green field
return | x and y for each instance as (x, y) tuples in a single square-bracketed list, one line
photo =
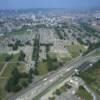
[(10, 67), (19, 32), (4, 56), (2, 60), (11, 64), (52, 55), (76, 50), (92, 77), (2, 90), (15, 58), (84, 94), (43, 68)]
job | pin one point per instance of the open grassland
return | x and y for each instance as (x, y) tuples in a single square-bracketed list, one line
[(6, 68), (2, 88), (19, 32), (43, 68), (10, 67), (92, 77)]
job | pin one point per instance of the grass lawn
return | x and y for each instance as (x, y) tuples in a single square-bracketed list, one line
[(92, 78), (2, 90), (2, 57), (2, 60), (21, 67), (10, 67), (52, 55), (15, 58), (20, 32), (5, 76), (11, 64), (42, 68), (84, 94), (75, 50), (7, 72)]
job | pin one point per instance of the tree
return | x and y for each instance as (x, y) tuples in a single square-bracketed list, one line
[(8, 57), (9, 85), (12, 83), (30, 77), (15, 47), (51, 98), (17, 88), (24, 83), (36, 71), (16, 73), (31, 71), (58, 92), (21, 56)]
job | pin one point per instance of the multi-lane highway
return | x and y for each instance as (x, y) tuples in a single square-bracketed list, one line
[(67, 70)]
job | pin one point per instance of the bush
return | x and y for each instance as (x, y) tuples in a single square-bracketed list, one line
[(58, 92)]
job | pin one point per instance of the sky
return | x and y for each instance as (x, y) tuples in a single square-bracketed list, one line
[(70, 4)]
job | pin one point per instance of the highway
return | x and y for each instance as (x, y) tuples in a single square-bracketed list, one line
[(67, 70)]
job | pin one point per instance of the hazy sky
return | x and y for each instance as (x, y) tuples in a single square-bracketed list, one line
[(70, 4)]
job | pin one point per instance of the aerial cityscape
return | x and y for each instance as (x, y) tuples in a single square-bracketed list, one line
[(49, 50)]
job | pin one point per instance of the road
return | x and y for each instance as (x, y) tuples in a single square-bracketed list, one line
[(66, 74), (36, 89)]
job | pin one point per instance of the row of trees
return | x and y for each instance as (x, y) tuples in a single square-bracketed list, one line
[(36, 46), (59, 33), (52, 64), (35, 55)]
